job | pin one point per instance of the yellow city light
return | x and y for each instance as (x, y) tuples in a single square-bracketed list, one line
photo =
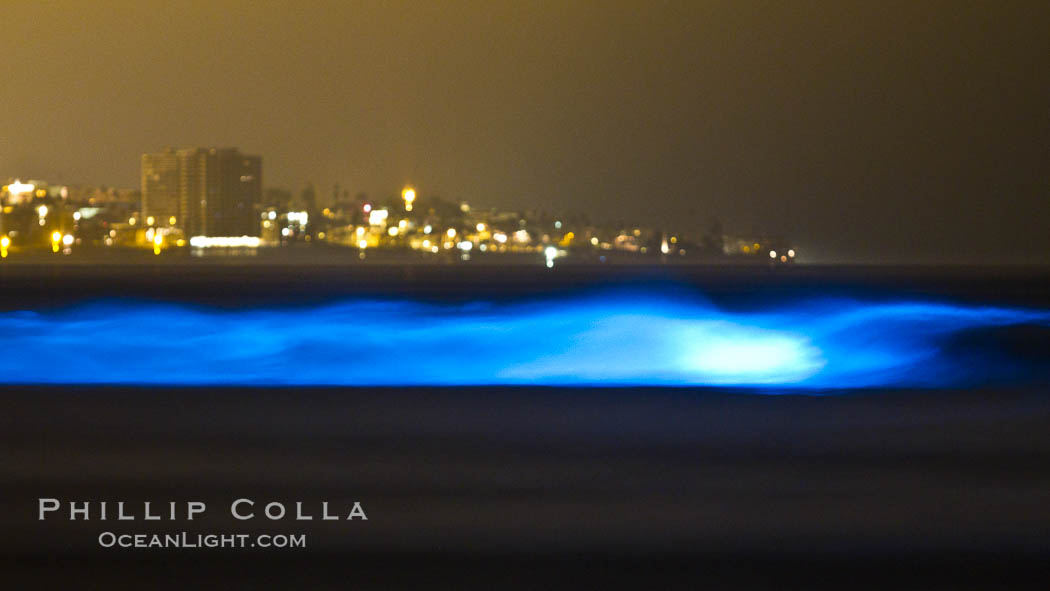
[(20, 188), (171, 221), (409, 195), (150, 220)]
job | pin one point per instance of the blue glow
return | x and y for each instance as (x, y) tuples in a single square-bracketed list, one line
[(639, 338)]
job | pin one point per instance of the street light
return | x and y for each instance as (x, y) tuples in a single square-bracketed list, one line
[(409, 195)]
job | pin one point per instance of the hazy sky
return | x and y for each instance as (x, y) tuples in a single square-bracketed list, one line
[(863, 130)]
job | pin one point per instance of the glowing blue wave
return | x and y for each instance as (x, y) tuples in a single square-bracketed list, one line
[(616, 339)]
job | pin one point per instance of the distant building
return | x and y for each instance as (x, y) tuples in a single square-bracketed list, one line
[(218, 190), (160, 187)]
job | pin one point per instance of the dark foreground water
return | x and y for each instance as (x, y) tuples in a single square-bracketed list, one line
[(942, 486)]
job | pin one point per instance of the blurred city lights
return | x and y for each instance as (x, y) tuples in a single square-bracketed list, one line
[(550, 253), (225, 242), (378, 217), (525, 233), (408, 194), (18, 189)]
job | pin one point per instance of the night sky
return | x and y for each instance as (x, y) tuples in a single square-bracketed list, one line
[(865, 131)]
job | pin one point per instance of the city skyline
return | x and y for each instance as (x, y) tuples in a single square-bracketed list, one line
[(195, 199)]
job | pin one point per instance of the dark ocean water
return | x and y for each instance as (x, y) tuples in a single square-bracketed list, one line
[(901, 482)]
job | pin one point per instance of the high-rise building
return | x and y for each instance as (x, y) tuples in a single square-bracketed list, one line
[(160, 187), (218, 190)]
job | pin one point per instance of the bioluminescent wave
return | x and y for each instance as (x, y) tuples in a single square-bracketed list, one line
[(638, 338)]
